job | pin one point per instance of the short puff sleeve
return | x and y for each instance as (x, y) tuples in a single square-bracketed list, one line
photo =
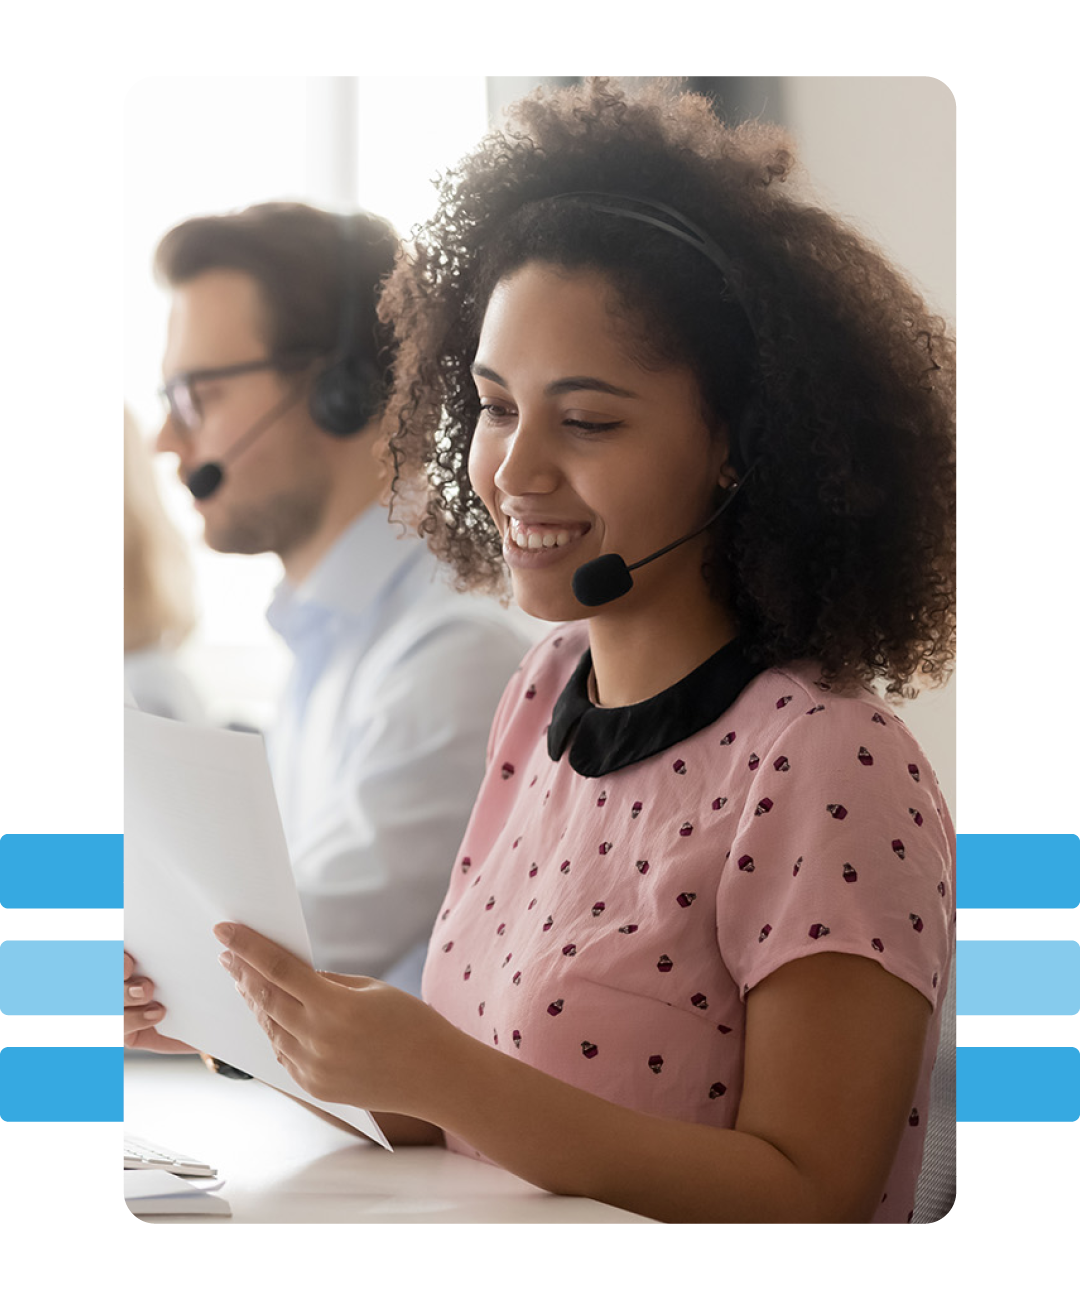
[(844, 845)]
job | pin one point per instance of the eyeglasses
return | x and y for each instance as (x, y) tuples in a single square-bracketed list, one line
[(180, 393)]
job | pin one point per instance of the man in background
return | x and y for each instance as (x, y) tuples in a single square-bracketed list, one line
[(275, 376)]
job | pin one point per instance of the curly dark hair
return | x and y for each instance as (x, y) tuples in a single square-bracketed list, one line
[(840, 546)]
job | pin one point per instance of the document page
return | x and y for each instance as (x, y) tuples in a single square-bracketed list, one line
[(203, 843)]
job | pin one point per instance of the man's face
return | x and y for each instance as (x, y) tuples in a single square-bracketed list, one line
[(274, 493)]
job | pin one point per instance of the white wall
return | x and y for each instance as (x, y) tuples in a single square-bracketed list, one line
[(881, 151)]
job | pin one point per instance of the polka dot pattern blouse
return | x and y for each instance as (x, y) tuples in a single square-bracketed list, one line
[(607, 929)]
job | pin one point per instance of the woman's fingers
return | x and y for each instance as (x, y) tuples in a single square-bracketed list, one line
[(277, 964), (148, 1015), (349, 981), (140, 1009), (142, 1014), (287, 1049), (137, 1019), (269, 1005), (138, 991), (264, 998), (150, 1040), (140, 1029)]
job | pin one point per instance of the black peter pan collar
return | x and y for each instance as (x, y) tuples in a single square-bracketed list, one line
[(609, 739)]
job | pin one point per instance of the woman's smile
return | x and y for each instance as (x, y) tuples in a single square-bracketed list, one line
[(536, 544)]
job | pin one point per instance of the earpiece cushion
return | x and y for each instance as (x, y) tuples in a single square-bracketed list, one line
[(346, 397)]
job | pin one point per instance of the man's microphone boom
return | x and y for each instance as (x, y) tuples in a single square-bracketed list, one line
[(205, 479)]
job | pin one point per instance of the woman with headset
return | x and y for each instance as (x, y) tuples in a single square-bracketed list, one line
[(695, 944)]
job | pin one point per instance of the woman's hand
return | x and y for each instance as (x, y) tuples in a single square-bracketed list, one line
[(343, 1038), (142, 1014), (833, 1049)]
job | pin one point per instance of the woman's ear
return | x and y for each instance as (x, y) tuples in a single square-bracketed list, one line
[(726, 475)]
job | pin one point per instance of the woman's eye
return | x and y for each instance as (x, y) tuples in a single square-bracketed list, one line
[(495, 411), (592, 426)]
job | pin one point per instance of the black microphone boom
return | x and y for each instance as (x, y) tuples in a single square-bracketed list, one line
[(205, 480), (608, 576)]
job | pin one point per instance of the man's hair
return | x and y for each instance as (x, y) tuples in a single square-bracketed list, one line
[(841, 544), (299, 258)]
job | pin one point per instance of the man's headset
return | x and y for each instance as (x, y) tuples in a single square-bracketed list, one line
[(348, 393)]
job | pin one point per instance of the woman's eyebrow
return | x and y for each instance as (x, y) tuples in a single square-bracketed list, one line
[(485, 372), (577, 382), (572, 384)]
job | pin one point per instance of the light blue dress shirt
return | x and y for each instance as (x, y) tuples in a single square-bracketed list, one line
[(380, 742)]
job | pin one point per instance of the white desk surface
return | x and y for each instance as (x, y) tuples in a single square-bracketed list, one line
[(283, 1164)]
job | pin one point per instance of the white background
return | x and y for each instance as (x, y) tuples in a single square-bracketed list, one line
[(60, 482)]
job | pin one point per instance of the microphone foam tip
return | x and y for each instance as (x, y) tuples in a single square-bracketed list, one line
[(204, 481), (600, 580)]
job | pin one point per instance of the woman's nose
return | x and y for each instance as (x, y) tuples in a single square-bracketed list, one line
[(528, 465)]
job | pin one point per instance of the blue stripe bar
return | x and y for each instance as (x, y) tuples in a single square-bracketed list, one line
[(1018, 1084), (61, 977), (61, 871), (1017, 871), (75, 1084), (1018, 977)]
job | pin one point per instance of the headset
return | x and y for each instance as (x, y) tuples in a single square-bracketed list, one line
[(345, 396), (747, 425), (606, 578), (348, 394)]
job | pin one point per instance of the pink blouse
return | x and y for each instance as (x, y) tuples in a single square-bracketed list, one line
[(606, 929)]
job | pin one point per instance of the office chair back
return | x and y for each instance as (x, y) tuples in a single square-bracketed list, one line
[(936, 1190)]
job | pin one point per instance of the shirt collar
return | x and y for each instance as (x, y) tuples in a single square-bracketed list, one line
[(608, 739), (366, 561)]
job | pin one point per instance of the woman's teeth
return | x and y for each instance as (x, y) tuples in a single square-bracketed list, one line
[(536, 540)]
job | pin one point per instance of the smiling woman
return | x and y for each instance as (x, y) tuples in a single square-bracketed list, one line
[(812, 350), (693, 952)]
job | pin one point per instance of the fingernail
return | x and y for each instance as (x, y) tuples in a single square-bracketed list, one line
[(137, 991), (226, 960), (155, 1014), (225, 932)]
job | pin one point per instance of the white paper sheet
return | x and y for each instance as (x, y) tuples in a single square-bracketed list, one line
[(203, 844)]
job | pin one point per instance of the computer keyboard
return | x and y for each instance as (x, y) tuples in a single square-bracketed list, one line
[(140, 1154)]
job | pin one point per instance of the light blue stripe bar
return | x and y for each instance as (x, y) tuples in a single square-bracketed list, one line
[(1018, 1084), (1018, 977), (73, 1084), (1017, 871), (61, 871), (61, 977)]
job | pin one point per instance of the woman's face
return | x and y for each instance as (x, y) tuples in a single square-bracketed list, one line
[(579, 451)]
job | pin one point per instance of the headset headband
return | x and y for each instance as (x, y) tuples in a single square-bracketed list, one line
[(746, 431), (347, 315), (630, 205)]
